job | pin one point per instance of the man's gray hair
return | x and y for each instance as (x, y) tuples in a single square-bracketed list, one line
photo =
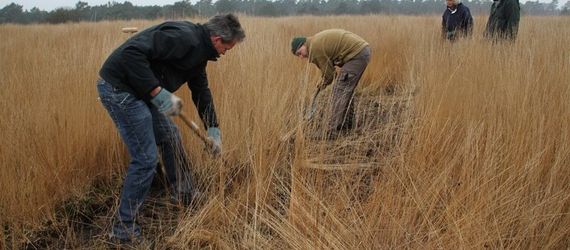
[(226, 26)]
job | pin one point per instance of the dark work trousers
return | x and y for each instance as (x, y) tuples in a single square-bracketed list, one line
[(342, 114)]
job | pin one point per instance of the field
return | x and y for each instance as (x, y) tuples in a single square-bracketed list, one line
[(462, 145)]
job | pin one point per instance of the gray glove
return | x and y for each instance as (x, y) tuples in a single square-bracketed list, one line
[(167, 103), (214, 134), (451, 35)]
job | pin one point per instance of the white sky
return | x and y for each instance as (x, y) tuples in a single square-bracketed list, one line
[(50, 5)]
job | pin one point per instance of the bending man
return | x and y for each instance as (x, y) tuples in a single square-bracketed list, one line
[(336, 48), (136, 87)]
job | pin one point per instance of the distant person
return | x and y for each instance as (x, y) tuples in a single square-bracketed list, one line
[(336, 48), (456, 21), (503, 20), (136, 87)]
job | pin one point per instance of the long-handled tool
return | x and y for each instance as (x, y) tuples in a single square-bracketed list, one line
[(311, 112), (209, 143), (195, 129), (130, 30), (309, 115)]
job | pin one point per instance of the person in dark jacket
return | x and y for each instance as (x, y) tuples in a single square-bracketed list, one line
[(456, 21), (136, 87), (503, 20)]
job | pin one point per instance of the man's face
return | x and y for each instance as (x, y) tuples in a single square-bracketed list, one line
[(220, 46), (302, 52), (450, 3)]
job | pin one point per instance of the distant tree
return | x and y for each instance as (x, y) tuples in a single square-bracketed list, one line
[(566, 9), (370, 6), (308, 8), (286, 7), (225, 6), (151, 12), (552, 6), (342, 8), (12, 13), (180, 10), (36, 15), (267, 8), (124, 11), (83, 10), (205, 8), (81, 5), (62, 15)]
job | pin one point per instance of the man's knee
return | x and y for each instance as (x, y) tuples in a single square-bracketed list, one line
[(347, 81), (146, 160)]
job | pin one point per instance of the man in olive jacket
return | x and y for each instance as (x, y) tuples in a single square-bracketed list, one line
[(336, 48), (136, 87), (503, 20)]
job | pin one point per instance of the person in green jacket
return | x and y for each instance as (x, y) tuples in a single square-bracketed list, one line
[(503, 20), (328, 50)]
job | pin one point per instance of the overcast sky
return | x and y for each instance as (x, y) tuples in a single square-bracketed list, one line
[(50, 5), (54, 4)]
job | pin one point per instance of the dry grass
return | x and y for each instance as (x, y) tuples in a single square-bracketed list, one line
[(457, 146)]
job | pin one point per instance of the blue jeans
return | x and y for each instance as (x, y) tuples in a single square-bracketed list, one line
[(144, 130)]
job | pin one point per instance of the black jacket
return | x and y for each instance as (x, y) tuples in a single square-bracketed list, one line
[(167, 55), (456, 23), (503, 20)]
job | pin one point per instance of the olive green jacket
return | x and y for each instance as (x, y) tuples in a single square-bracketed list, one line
[(333, 47)]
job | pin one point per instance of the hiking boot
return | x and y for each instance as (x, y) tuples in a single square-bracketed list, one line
[(125, 234), (118, 242)]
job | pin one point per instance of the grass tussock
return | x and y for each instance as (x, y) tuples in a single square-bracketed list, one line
[(455, 145)]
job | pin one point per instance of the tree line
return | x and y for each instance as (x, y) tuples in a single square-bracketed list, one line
[(14, 13)]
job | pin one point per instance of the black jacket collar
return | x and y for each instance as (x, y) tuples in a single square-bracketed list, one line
[(211, 53)]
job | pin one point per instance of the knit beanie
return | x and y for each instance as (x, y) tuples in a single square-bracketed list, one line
[(297, 42)]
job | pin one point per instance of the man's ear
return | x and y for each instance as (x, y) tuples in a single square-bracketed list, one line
[(216, 39)]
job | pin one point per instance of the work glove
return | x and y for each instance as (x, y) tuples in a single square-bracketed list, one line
[(214, 135), (167, 103), (451, 35)]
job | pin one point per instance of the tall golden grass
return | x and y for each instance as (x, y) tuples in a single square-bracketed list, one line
[(460, 145)]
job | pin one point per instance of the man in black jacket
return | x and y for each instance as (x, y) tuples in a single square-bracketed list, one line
[(136, 86), (456, 20), (503, 20)]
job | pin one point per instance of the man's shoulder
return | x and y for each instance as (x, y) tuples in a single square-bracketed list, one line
[(183, 29), (327, 36), (177, 25), (463, 7), (331, 31)]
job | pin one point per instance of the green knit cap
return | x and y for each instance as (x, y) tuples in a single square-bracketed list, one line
[(297, 42)]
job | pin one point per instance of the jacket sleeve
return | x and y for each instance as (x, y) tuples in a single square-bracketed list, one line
[(491, 21), (202, 98), (161, 44), (327, 69), (504, 11), (443, 26), (468, 21)]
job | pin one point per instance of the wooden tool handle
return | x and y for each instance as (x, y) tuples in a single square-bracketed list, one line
[(130, 29), (196, 129)]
